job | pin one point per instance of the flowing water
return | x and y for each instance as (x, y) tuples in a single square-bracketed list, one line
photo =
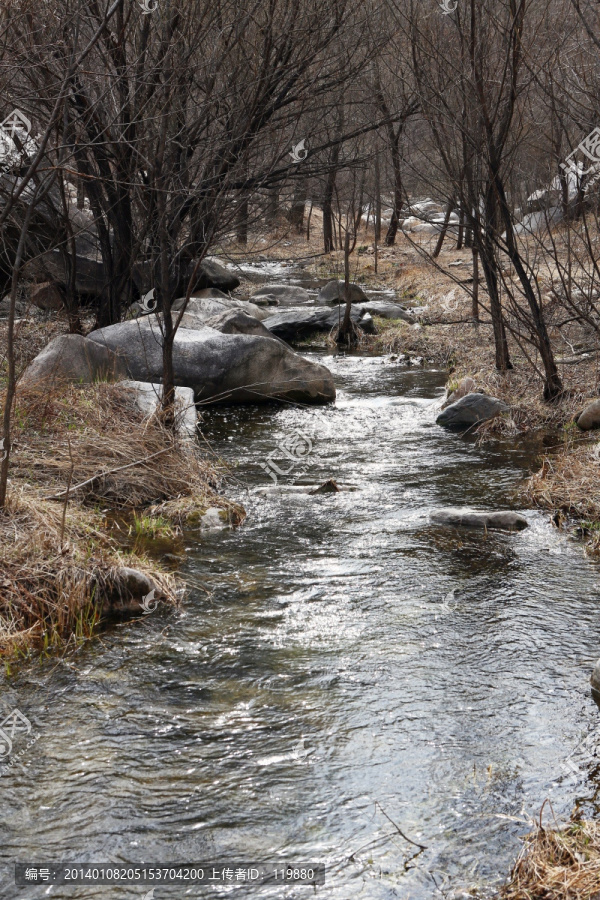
[(344, 682)]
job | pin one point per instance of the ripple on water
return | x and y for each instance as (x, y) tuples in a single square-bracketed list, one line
[(325, 681)]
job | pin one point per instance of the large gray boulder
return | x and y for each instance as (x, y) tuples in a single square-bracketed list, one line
[(208, 294), (333, 293), (468, 518), (212, 274), (200, 309), (221, 368), (90, 278), (296, 323), (471, 410), (543, 199), (540, 221), (148, 397), (596, 684), (590, 417), (387, 310), (465, 386), (73, 358), (281, 295), (235, 321), (21, 308)]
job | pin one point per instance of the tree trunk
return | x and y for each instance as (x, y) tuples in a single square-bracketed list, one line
[(440, 242), (241, 225), (308, 218), (328, 220), (346, 334), (552, 384), (328, 228), (272, 206), (298, 204), (475, 306), (377, 201), (11, 387), (168, 373), (491, 279), (461, 229), (392, 231)]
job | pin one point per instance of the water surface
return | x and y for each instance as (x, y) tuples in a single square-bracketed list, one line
[(316, 698)]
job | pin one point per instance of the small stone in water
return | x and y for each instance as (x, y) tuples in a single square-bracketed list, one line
[(328, 487)]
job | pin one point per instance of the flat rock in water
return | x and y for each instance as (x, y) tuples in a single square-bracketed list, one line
[(590, 417), (333, 293), (214, 519), (328, 487), (134, 588), (596, 684), (220, 368), (291, 324), (467, 518), (387, 310), (299, 490), (74, 358), (281, 295), (473, 409)]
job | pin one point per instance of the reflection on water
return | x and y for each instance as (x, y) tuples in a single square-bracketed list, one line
[(316, 699)]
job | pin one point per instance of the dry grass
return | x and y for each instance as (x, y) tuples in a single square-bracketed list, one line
[(59, 580), (57, 586), (557, 864), (569, 484), (103, 431)]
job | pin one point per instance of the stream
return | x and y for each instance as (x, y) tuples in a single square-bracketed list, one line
[(345, 680)]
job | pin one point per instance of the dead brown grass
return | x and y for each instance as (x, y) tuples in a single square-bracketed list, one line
[(557, 864), (58, 580), (569, 483)]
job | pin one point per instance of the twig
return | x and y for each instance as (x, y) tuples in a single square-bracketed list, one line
[(401, 833), (104, 474), (68, 491)]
